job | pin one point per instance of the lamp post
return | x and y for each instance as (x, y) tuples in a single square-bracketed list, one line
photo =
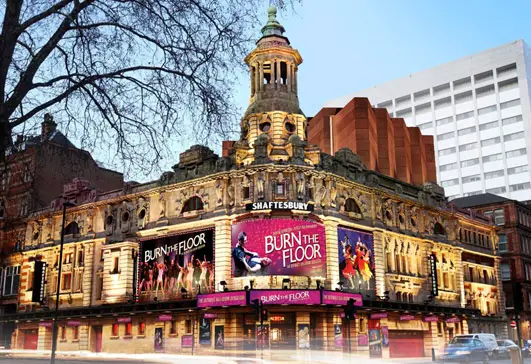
[(66, 204)]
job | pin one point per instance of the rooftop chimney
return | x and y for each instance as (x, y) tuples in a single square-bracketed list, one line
[(48, 126)]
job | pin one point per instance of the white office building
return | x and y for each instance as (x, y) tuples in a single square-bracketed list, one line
[(478, 109)]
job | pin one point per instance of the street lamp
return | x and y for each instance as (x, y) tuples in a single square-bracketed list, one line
[(66, 205)]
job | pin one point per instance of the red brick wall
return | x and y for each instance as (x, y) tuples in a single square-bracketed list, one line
[(226, 146), (384, 144)]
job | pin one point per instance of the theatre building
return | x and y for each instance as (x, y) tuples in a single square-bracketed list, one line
[(177, 265)]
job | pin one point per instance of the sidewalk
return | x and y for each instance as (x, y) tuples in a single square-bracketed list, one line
[(219, 357)]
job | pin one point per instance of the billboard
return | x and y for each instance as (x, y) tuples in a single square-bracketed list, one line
[(238, 298), (177, 266), (278, 247), (356, 259), (286, 297)]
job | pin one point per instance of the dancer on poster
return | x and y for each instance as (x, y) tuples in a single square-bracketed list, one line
[(356, 262)]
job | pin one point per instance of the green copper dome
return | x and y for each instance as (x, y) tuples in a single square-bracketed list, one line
[(272, 26)]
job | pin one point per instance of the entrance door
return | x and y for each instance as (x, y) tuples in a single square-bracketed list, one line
[(31, 339), (406, 344), (282, 334), (97, 339)]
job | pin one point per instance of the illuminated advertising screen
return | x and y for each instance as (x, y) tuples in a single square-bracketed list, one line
[(177, 266), (356, 259), (266, 247)]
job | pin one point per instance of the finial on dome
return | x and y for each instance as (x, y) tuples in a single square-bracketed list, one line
[(272, 26)]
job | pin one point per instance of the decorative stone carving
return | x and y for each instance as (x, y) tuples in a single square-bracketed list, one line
[(219, 193), (378, 207), (260, 181), (90, 220), (333, 195), (301, 184), (230, 194), (162, 205), (260, 149)]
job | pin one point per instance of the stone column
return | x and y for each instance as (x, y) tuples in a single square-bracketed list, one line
[(256, 77), (296, 81), (252, 76), (430, 338), (289, 69), (45, 338), (84, 337), (261, 78), (331, 252), (379, 261), (223, 249), (88, 274)]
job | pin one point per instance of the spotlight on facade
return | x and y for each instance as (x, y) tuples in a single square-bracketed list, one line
[(318, 283), (251, 283), (340, 284), (224, 285), (184, 293), (286, 283)]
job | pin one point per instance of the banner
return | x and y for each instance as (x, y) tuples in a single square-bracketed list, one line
[(286, 297), (219, 332), (176, 267), (341, 298), (278, 247), (385, 336), (204, 331), (356, 259), (222, 299), (187, 341)]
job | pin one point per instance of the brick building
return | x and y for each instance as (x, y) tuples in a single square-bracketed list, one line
[(385, 144), (513, 219), (34, 173)]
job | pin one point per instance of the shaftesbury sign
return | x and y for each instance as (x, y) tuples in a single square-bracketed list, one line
[(39, 279), (282, 205), (432, 259)]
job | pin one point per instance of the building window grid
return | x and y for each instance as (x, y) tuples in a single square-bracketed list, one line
[(469, 162), (468, 146), (492, 158), (505, 271), (513, 136), (451, 182), (490, 141), (502, 242), (497, 190), (473, 178), (487, 126), (444, 121), (465, 115), (520, 186), (447, 151), (487, 110), (466, 131), (494, 174), (508, 104), (515, 153), (516, 170), (512, 120)]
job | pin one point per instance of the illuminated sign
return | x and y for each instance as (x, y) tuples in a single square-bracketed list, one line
[(341, 298), (431, 319), (379, 315), (124, 320), (222, 299), (407, 317), (39, 280), (47, 324), (165, 318), (279, 205), (73, 323), (278, 247), (287, 297), (453, 320), (277, 318), (432, 260)]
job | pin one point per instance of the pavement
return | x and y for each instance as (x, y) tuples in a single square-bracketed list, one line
[(319, 357)]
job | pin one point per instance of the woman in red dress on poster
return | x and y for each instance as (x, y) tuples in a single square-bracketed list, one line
[(349, 271)]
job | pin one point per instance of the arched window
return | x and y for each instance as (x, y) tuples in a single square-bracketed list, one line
[(193, 204), (398, 296), (411, 297), (438, 229), (352, 206), (72, 228)]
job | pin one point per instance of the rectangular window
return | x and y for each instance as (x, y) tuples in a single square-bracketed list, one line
[(115, 329), (505, 271), (403, 113), (446, 151), (450, 182), (485, 91), (280, 189), (520, 186), (486, 110), (466, 131), (491, 141), (463, 97), (421, 94), (448, 167), (465, 115), (444, 121), (463, 82), (385, 104), (128, 329), (497, 190), (513, 136), (445, 136), (502, 243), (68, 258), (468, 146), (492, 158), (66, 282), (473, 193), (116, 265), (425, 125), (495, 174), (80, 258), (447, 101), (441, 88), (473, 178), (62, 332), (11, 280), (402, 100), (173, 328), (508, 104), (188, 326), (424, 108), (31, 276), (470, 162), (515, 153), (141, 328), (487, 126), (512, 120), (75, 332), (483, 76), (506, 69), (515, 170), (508, 84), (499, 217)]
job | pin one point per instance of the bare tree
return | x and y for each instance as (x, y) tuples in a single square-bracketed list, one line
[(125, 74)]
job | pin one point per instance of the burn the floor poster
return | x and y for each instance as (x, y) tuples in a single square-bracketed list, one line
[(265, 247), (219, 332), (356, 259), (176, 266)]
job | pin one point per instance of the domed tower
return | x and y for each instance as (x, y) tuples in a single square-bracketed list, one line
[(273, 124)]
